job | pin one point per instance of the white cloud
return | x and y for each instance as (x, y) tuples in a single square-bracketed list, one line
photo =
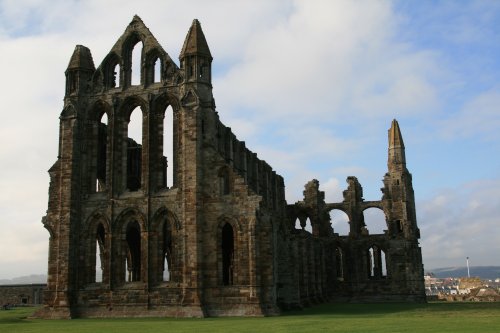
[(461, 222), (478, 118), (310, 85)]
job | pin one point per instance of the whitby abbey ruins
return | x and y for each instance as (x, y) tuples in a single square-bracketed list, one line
[(219, 238)]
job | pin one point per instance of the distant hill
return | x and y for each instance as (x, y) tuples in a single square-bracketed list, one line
[(28, 279), (484, 272)]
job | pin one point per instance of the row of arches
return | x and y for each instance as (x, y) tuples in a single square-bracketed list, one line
[(118, 254), (134, 65), (128, 131), (130, 245), (374, 218), (375, 259)]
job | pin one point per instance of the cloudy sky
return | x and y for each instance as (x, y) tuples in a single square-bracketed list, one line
[(311, 86)]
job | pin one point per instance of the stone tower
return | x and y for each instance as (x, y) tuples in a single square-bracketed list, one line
[(218, 238)]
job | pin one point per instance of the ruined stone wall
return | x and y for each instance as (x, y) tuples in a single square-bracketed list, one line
[(221, 240), (22, 294)]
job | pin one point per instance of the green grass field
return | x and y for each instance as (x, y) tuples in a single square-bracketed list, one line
[(372, 318)]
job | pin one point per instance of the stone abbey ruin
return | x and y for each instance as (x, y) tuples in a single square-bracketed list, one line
[(221, 240)]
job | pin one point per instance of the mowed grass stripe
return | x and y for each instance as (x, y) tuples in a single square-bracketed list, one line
[(383, 318)]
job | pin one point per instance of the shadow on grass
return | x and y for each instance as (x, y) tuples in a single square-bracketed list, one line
[(356, 308), (390, 308)]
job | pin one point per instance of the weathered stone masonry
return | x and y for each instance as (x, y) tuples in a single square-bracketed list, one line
[(222, 239)]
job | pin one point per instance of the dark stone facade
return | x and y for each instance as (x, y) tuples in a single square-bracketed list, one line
[(22, 294), (222, 239)]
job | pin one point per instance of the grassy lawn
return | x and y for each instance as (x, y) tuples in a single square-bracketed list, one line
[(432, 317)]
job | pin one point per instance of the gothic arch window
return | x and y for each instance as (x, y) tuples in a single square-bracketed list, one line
[(164, 254), (136, 64), (383, 264), (164, 142), (371, 262), (101, 151), (133, 252), (100, 247), (112, 71), (227, 249), (97, 269), (167, 252), (156, 70), (377, 265), (340, 222), (308, 226), (134, 150), (115, 76), (297, 224), (154, 67), (375, 221), (168, 146), (339, 263)]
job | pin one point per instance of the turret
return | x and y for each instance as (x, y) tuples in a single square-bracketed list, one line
[(398, 189), (396, 160), (79, 71), (195, 57)]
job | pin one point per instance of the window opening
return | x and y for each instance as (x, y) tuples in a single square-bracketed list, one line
[(297, 224), (136, 64), (399, 226), (134, 150), (375, 221), (133, 252), (377, 262), (157, 70), (371, 262), (308, 226), (115, 77), (168, 147), (227, 254), (99, 253), (383, 263), (340, 222), (167, 252), (102, 145), (339, 263)]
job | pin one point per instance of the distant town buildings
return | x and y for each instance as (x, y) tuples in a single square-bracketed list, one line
[(462, 289)]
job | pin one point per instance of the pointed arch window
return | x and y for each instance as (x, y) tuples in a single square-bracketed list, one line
[(99, 253), (383, 264), (339, 263), (136, 64), (377, 265), (371, 262), (115, 76), (156, 70), (297, 225), (101, 151), (308, 225), (227, 254), (133, 252), (167, 252), (168, 147), (134, 150)]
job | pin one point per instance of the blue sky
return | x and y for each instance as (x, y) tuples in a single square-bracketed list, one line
[(311, 86)]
